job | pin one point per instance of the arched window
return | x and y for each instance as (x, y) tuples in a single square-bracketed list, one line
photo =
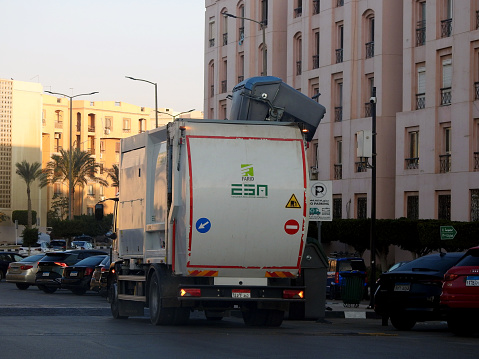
[(298, 53)]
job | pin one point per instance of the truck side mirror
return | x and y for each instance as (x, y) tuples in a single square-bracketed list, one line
[(99, 211)]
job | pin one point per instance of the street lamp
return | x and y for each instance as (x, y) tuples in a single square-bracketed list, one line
[(156, 95), (178, 114), (70, 169), (261, 24)]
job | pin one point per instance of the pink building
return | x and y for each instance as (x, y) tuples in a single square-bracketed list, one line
[(423, 62)]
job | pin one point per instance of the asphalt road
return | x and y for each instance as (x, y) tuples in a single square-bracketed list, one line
[(44, 326)]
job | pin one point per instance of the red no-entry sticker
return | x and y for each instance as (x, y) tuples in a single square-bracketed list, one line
[(291, 227)]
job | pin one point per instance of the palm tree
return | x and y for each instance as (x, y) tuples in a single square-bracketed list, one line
[(114, 175), (83, 167), (30, 173)]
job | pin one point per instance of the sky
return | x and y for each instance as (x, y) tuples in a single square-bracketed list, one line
[(81, 46)]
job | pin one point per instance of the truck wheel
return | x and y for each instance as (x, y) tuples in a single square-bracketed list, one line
[(254, 317), (274, 318), (158, 314), (114, 302)]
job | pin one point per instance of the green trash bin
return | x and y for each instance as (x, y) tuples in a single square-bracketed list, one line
[(352, 288)]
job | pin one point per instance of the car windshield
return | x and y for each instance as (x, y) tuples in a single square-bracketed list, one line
[(33, 258), (472, 259), (91, 261), (351, 264), (431, 263)]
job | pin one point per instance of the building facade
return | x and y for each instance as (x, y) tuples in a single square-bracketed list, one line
[(422, 59)]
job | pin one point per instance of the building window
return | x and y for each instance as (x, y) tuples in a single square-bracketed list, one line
[(211, 76), (362, 207), (316, 48), (412, 206), (421, 24), (141, 125), (57, 189), (211, 31), (91, 190), (108, 123), (339, 3), (446, 23), (298, 53), (338, 109), (446, 90), (224, 20), (240, 66), (91, 122), (126, 125), (444, 206), (474, 205), (340, 42), (224, 83), (241, 24), (58, 142), (337, 208), (316, 7), (369, 93), (78, 122), (445, 157), (412, 161), (298, 10), (421, 88), (370, 35), (264, 12), (89, 211), (338, 163)]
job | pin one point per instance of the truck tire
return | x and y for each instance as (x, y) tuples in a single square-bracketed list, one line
[(274, 318), (115, 302), (158, 314)]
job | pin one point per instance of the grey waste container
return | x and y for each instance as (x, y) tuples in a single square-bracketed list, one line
[(313, 277)]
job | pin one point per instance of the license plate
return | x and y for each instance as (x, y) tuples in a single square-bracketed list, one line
[(73, 274), (402, 287), (241, 293), (472, 281), (46, 274)]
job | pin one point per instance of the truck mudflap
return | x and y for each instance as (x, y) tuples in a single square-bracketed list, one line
[(232, 293)]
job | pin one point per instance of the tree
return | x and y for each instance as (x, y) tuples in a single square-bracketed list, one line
[(29, 173), (83, 167), (114, 175)]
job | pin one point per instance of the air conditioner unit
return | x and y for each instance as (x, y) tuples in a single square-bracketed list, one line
[(107, 131)]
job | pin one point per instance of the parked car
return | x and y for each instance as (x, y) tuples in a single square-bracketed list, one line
[(77, 277), (81, 245), (58, 244), (23, 273), (50, 268), (460, 294), (99, 279), (337, 267), (5, 259), (39, 247), (411, 292)]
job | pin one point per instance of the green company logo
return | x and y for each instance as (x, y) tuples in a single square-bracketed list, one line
[(250, 189)]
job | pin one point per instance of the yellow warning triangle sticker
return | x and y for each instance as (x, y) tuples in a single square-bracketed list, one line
[(293, 202)]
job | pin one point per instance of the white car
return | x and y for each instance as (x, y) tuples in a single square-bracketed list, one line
[(39, 247), (81, 245)]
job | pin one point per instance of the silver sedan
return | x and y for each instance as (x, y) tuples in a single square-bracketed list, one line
[(23, 273)]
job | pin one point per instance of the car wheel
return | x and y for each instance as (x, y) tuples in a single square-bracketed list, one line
[(402, 322), (22, 286), (48, 290), (1, 275)]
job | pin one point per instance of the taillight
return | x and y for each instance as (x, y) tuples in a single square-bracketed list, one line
[(104, 269), (336, 278), (449, 277), (293, 294), (24, 267), (60, 264), (190, 292), (88, 271)]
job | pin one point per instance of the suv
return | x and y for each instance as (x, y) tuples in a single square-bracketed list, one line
[(338, 265), (50, 268)]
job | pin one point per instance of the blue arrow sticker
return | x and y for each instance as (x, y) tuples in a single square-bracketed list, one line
[(203, 225)]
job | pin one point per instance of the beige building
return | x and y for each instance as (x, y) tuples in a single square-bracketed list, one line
[(34, 126)]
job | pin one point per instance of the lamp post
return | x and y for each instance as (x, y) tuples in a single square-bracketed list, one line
[(156, 96), (70, 169), (178, 114), (373, 199), (225, 14)]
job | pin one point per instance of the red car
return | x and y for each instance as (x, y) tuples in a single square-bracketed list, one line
[(460, 294)]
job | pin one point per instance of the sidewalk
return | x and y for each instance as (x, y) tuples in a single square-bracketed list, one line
[(336, 309)]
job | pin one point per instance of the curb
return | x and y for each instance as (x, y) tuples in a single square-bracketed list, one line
[(346, 314)]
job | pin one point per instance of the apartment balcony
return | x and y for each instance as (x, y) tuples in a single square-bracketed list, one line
[(476, 161), (58, 124), (476, 90), (224, 86), (338, 113), (225, 39), (212, 91), (446, 28), (446, 96), (315, 7), (338, 171), (445, 163), (368, 107), (241, 34), (339, 3), (212, 42), (315, 61), (126, 130), (339, 56), (421, 33), (361, 166), (420, 101), (298, 12), (298, 68), (412, 163), (369, 49), (91, 128)]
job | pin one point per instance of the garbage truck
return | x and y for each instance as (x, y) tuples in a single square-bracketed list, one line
[(212, 215)]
